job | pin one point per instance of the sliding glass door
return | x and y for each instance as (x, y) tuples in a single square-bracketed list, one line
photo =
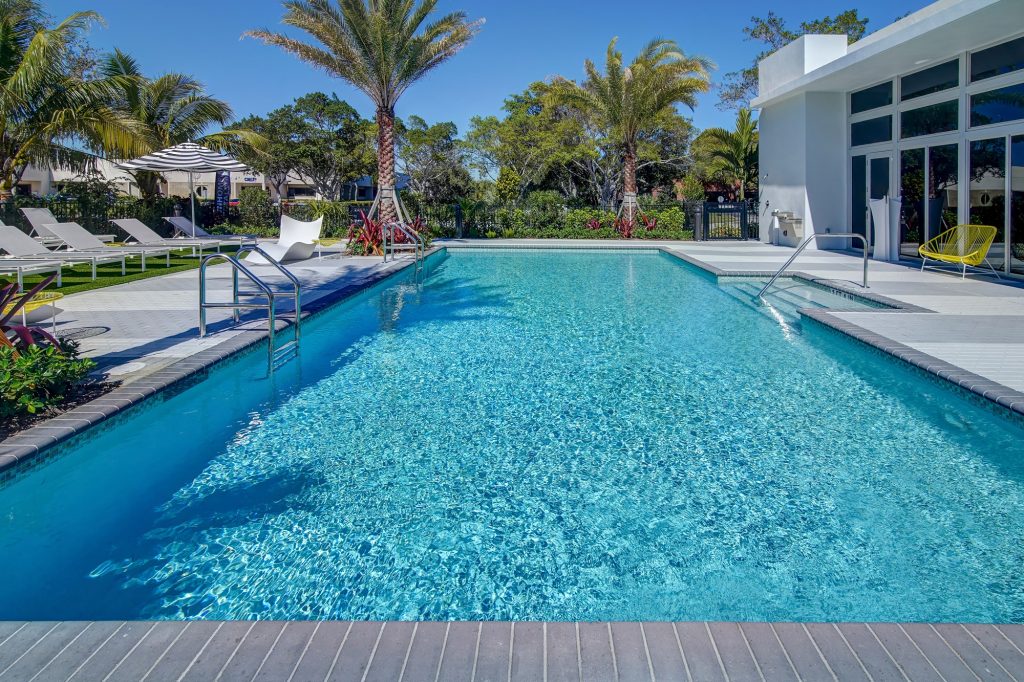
[(1017, 204), (912, 209), (988, 193)]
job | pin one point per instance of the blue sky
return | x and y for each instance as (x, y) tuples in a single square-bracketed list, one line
[(522, 41)]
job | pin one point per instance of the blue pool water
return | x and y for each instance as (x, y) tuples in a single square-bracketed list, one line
[(535, 435)]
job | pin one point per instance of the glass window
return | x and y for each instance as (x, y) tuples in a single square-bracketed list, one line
[(997, 106), (872, 130), (997, 60), (937, 118), (912, 208), (943, 183), (988, 191), (935, 79), (871, 98), (1017, 204)]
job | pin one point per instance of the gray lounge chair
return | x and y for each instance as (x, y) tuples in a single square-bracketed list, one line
[(20, 267), (18, 244), (184, 227), (78, 238), (39, 218), (144, 236)]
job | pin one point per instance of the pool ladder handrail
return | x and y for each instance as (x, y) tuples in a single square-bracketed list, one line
[(806, 243), (275, 356), (418, 245)]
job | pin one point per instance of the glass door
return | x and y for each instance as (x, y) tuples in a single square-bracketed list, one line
[(912, 191), (988, 193), (878, 185), (1017, 204)]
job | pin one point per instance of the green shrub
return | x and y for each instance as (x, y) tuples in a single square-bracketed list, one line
[(546, 208), (671, 219), (511, 222), (39, 378), (256, 209)]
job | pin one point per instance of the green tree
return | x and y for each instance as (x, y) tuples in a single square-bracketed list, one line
[(169, 110), (48, 107), (333, 144), (733, 153), (434, 160), (380, 47), (739, 87), (530, 140), (630, 100), (279, 128)]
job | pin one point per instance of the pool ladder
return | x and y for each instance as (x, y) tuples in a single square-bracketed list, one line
[(418, 245), (806, 243), (276, 355)]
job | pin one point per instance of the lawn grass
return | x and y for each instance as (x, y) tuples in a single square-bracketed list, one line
[(79, 277)]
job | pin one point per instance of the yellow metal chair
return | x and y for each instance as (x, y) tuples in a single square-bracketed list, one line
[(963, 245)]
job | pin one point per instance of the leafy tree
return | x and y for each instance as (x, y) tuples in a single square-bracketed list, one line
[(169, 110), (531, 139), (631, 100), (733, 153), (280, 128), (47, 106), (739, 87), (434, 160), (380, 47), (332, 145)]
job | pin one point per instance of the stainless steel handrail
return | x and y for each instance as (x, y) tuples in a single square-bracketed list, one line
[(804, 245), (419, 242), (235, 305)]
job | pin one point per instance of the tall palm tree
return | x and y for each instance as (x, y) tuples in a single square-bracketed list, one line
[(169, 110), (733, 152), (48, 113), (380, 47), (629, 99)]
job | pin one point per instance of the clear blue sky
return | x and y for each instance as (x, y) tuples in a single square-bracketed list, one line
[(522, 41)]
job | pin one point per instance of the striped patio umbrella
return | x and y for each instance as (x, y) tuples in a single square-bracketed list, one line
[(188, 157)]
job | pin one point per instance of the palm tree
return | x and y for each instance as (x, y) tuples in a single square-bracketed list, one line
[(169, 110), (48, 113), (629, 99), (379, 46), (733, 152)]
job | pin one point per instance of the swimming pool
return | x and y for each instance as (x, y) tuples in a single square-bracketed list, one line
[(558, 435)]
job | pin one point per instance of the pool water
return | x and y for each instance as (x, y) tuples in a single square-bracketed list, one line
[(535, 435)]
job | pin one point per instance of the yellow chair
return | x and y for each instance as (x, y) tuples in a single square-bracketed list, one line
[(963, 245)]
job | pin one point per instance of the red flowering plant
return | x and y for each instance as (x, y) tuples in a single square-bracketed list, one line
[(649, 222), (625, 227), (366, 239), (594, 224)]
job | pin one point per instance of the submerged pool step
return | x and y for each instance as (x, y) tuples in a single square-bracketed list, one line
[(785, 299)]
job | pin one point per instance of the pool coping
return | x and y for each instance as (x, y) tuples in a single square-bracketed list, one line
[(25, 448)]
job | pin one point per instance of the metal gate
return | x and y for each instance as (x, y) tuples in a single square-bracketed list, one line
[(725, 221)]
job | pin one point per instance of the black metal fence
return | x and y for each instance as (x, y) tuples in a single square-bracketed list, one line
[(728, 220)]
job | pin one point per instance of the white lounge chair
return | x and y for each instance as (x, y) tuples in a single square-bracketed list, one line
[(183, 227), (77, 238), (18, 244), (20, 267), (39, 218), (298, 241), (145, 236)]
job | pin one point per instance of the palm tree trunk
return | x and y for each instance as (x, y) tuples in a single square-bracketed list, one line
[(386, 160), (629, 182)]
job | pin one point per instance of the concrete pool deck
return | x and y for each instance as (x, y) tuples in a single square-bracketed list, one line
[(149, 338)]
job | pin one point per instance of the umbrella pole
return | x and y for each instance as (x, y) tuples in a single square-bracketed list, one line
[(192, 197)]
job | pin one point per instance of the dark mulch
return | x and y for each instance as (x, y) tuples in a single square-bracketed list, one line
[(81, 395)]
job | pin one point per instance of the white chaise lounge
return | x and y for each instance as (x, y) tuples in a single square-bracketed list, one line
[(39, 218), (297, 242), (77, 238), (143, 235), (183, 227), (19, 245)]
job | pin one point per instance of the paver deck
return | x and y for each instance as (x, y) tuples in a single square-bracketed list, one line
[(491, 651)]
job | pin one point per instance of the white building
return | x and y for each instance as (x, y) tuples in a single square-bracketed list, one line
[(44, 181), (929, 110)]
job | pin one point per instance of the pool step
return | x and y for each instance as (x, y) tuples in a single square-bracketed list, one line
[(783, 300)]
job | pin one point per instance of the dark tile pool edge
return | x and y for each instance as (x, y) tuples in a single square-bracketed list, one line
[(531, 650), (29, 446), (986, 389)]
